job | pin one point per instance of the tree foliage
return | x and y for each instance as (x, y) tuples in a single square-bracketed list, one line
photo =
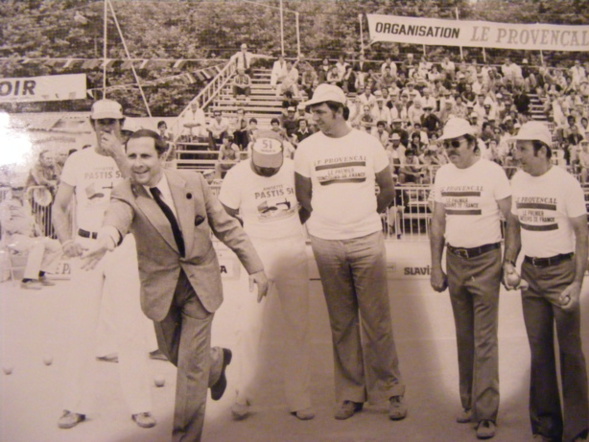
[(33, 32)]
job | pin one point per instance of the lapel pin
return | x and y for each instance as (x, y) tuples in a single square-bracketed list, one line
[(189, 195)]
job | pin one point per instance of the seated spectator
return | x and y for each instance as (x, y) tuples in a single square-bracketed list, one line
[(289, 122), (278, 72), (241, 135), (21, 233), (43, 173), (410, 170), (380, 112), (309, 79), (275, 127), (584, 161), (430, 121), (381, 132), (228, 156), (193, 123), (366, 121), (395, 152), (168, 137), (218, 128), (242, 85), (398, 129), (303, 131), (290, 82)]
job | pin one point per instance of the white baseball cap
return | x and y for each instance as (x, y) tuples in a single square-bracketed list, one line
[(103, 109), (534, 130), (327, 92), (456, 127), (267, 150)]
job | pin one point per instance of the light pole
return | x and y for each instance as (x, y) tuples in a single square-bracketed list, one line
[(282, 10)]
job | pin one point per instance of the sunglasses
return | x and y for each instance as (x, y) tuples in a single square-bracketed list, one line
[(452, 143), (17, 188)]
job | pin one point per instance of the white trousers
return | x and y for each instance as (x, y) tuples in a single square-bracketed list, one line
[(285, 264), (43, 253), (116, 276)]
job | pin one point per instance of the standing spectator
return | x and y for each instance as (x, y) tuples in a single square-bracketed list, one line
[(88, 177), (551, 228), (21, 232), (470, 195), (271, 220), (346, 237), (243, 59)]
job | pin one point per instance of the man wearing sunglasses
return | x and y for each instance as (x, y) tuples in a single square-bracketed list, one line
[(471, 194)]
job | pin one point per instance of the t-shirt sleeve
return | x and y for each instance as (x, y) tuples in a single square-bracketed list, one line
[(502, 187), (381, 160), (437, 194), (230, 195), (575, 200), (68, 174), (301, 164)]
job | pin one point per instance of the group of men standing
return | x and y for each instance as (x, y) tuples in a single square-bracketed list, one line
[(330, 186), (545, 215)]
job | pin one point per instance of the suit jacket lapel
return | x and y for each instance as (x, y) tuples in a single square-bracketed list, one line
[(154, 214), (185, 210)]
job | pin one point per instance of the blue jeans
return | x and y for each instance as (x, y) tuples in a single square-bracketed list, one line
[(354, 280)]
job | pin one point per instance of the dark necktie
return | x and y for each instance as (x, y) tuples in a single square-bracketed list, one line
[(157, 196), (245, 61)]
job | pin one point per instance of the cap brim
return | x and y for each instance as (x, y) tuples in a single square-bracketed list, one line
[(273, 161)]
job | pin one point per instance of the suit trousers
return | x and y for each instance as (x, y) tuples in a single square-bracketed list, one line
[(116, 276), (474, 294), (285, 264), (43, 253), (184, 336), (541, 310), (354, 279)]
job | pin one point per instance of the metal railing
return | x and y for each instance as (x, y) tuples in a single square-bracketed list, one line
[(205, 96)]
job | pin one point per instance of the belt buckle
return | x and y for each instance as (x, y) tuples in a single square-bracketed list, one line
[(534, 263), (461, 252)]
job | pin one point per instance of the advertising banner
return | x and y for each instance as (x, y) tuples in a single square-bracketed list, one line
[(46, 88), (482, 34)]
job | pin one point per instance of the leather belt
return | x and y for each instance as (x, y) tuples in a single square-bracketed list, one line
[(550, 261), (472, 252), (85, 234)]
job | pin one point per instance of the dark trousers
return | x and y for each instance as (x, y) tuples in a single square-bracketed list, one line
[(184, 336), (541, 310), (474, 293)]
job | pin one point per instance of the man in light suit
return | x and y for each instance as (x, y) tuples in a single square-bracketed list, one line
[(180, 279)]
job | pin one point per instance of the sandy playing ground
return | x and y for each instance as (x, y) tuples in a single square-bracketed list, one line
[(33, 329)]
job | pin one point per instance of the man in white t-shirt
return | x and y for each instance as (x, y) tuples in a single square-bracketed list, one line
[(262, 193), (471, 194), (336, 171), (88, 176), (551, 229)]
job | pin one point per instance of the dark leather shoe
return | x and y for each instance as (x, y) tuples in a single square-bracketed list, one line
[(219, 387), (347, 409), (144, 420), (70, 419)]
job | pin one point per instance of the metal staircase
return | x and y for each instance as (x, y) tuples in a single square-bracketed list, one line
[(262, 105)]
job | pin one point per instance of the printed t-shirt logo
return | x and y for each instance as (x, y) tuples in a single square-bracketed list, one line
[(462, 200), (350, 169), (277, 202), (536, 214)]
